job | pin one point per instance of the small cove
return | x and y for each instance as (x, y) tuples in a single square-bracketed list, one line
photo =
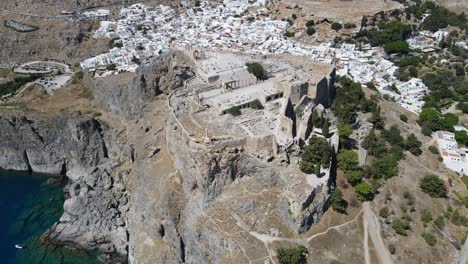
[(30, 205)]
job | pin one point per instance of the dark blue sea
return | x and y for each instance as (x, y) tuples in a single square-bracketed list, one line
[(29, 205)]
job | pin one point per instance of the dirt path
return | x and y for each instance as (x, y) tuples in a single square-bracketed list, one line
[(267, 240), (374, 230), (366, 242), (463, 256)]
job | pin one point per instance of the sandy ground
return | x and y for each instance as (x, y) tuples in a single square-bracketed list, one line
[(343, 10)]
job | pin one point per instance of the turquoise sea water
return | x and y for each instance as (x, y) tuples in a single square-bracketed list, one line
[(29, 205)]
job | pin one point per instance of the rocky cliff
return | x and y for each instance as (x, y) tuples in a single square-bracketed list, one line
[(126, 95), (146, 190), (81, 148)]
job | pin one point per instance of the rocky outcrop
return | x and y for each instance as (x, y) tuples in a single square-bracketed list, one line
[(126, 95), (81, 148)]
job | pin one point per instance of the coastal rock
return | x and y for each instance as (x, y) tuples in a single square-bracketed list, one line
[(77, 146)]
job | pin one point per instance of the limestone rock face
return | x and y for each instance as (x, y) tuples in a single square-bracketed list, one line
[(77, 146), (126, 95), (147, 191)]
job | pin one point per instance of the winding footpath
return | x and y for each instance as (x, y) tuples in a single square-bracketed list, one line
[(268, 239), (463, 256), (374, 230)]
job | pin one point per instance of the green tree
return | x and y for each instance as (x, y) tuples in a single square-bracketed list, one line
[(317, 170), (363, 191), (393, 136), (310, 31), (354, 177), (293, 255), (347, 160), (307, 167), (413, 145), (434, 186), (448, 121), (385, 167), (310, 23), (337, 202), (344, 131), (430, 118), (325, 127), (336, 26), (413, 71), (397, 47), (461, 137), (256, 69), (318, 151), (348, 97), (376, 119), (374, 145)]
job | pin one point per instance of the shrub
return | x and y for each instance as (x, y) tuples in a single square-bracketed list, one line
[(459, 219), (354, 177), (401, 226), (426, 130), (426, 216), (403, 118), (293, 255), (364, 191), (18, 82), (256, 69), (440, 222), (310, 23), (310, 31), (413, 145), (434, 149), (434, 186), (384, 212), (337, 202), (307, 167), (429, 238), (347, 160), (336, 26), (349, 25)]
